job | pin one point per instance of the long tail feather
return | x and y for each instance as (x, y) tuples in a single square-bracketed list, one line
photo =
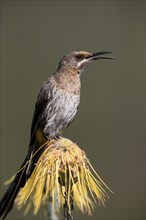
[(19, 181), (7, 200)]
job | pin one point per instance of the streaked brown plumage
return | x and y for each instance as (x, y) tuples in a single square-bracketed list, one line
[(56, 106)]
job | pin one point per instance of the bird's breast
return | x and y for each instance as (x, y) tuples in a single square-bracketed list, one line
[(61, 110)]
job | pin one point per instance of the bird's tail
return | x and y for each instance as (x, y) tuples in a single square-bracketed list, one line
[(7, 200), (20, 179)]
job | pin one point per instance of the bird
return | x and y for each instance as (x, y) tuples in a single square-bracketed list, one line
[(56, 106)]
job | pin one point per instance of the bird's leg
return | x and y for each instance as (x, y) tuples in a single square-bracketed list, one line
[(52, 138), (57, 137)]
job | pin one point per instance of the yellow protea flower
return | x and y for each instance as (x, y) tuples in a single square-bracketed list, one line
[(63, 172)]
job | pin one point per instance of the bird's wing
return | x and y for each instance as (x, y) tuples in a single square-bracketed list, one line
[(41, 103), (37, 137), (38, 112)]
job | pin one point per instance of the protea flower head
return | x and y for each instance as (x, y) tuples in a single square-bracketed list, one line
[(63, 172)]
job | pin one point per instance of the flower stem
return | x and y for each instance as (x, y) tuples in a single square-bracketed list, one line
[(68, 196), (68, 209)]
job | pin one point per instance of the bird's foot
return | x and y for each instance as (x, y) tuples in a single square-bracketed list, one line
[(53, 138), (57, 137)]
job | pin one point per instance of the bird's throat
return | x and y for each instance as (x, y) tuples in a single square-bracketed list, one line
[(68, 80)]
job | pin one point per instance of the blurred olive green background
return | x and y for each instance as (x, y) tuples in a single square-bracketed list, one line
[(109, 125)]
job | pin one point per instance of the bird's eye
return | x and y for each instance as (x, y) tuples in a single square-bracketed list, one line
[(79, 57)]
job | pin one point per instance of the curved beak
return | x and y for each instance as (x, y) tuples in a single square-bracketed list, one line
[(99, 55)]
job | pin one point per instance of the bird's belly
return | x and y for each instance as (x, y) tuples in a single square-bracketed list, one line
[(62, 113)]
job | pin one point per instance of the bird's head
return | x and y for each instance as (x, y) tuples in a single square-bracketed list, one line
[(79, 60)]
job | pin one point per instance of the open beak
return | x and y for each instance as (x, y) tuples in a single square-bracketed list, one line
[(99, 55)]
